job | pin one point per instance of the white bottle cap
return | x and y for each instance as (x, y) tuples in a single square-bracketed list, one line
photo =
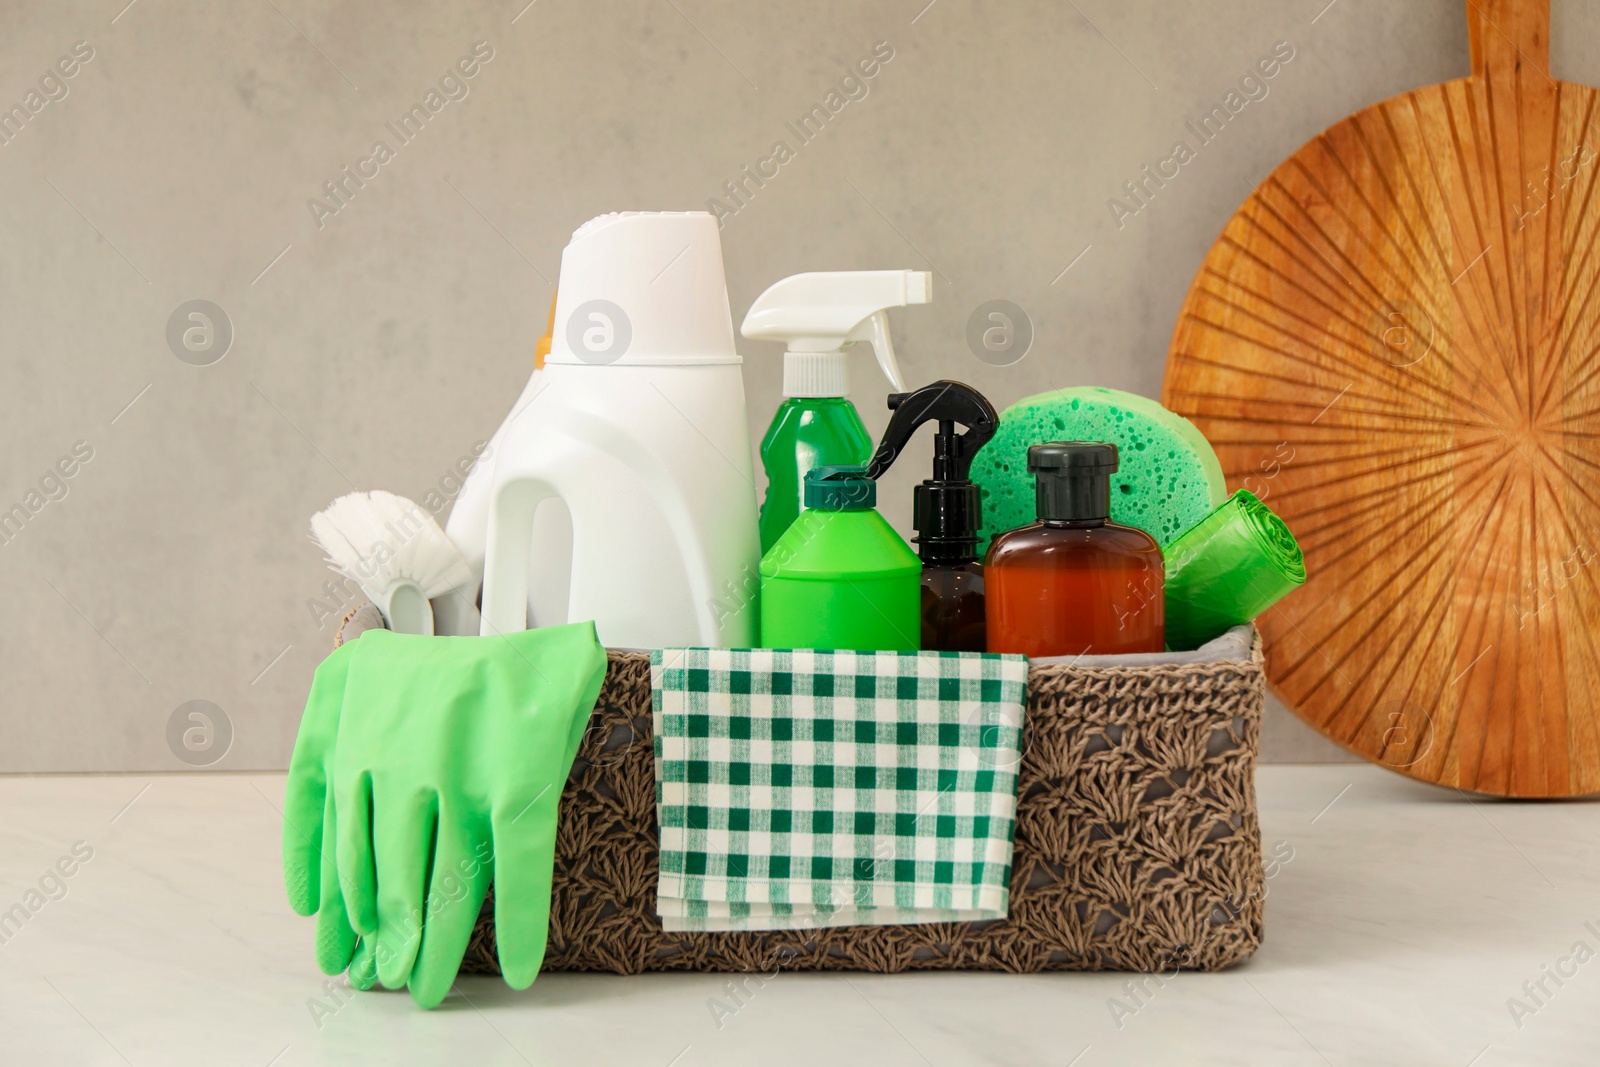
[(643, 287), (815, 374)]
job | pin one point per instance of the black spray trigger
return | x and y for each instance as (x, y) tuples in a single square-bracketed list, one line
[(950, 404), (947, 508)]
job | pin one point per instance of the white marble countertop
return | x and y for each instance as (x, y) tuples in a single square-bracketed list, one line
[(1401, 923)]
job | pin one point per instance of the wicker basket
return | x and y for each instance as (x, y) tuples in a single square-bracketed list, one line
[(1137, 845)]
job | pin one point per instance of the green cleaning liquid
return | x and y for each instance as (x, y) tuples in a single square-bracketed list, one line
[(806, 433), (840, 577)]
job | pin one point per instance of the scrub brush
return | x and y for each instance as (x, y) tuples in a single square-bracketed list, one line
[(395, 552)]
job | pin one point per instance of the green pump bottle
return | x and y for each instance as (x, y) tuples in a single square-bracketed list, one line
[(818, 315), (840, 577)]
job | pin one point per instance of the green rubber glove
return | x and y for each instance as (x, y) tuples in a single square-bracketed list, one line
[(309, 873), (450, 759)]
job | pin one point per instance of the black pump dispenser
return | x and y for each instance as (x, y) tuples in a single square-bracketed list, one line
[(947, 508)]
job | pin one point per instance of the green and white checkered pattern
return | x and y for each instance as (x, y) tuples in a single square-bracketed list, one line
[(800, 788)]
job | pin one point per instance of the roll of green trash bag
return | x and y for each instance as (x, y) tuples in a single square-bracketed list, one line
[(1228, 568)]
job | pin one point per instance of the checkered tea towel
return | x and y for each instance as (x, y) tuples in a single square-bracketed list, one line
[(800, 788)]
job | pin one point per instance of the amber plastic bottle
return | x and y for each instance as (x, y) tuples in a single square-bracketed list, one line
[(1074, 582)]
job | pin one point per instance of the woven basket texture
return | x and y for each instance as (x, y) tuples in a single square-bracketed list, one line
[(1137, 841)]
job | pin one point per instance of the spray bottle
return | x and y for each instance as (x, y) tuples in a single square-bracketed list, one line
[(947, 508), (818, 315)]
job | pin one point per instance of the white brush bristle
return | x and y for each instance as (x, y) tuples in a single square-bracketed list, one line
[(377, 538)]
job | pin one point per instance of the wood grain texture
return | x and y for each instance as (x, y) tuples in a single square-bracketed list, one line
[(1394, 343)]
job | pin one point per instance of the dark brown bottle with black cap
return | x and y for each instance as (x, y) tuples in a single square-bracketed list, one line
[(947, 507), (1074, 582)]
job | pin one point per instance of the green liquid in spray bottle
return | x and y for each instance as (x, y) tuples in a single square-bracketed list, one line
[(807, 432)]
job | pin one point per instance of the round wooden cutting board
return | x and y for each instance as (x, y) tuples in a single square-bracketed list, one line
[(1396, 344)]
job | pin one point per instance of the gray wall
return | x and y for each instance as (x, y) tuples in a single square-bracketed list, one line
[(381, 345)]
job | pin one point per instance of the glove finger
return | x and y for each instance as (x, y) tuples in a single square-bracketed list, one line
[(525, 837), (524, 857), (358, 878), (302, 841), (403, 829), (461, 875), (363, 966), (305, 793), (335, 939)]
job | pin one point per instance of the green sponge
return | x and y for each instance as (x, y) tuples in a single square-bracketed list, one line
[(1167, 479)]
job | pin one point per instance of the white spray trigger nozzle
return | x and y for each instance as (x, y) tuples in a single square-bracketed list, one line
[(875, 330), (818, 314)]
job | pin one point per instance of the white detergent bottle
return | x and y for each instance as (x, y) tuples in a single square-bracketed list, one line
[(637, 424)]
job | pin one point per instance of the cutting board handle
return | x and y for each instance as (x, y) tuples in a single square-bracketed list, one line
[(1507, 35)]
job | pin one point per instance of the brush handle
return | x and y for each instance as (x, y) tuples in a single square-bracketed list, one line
[(406, 610)]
